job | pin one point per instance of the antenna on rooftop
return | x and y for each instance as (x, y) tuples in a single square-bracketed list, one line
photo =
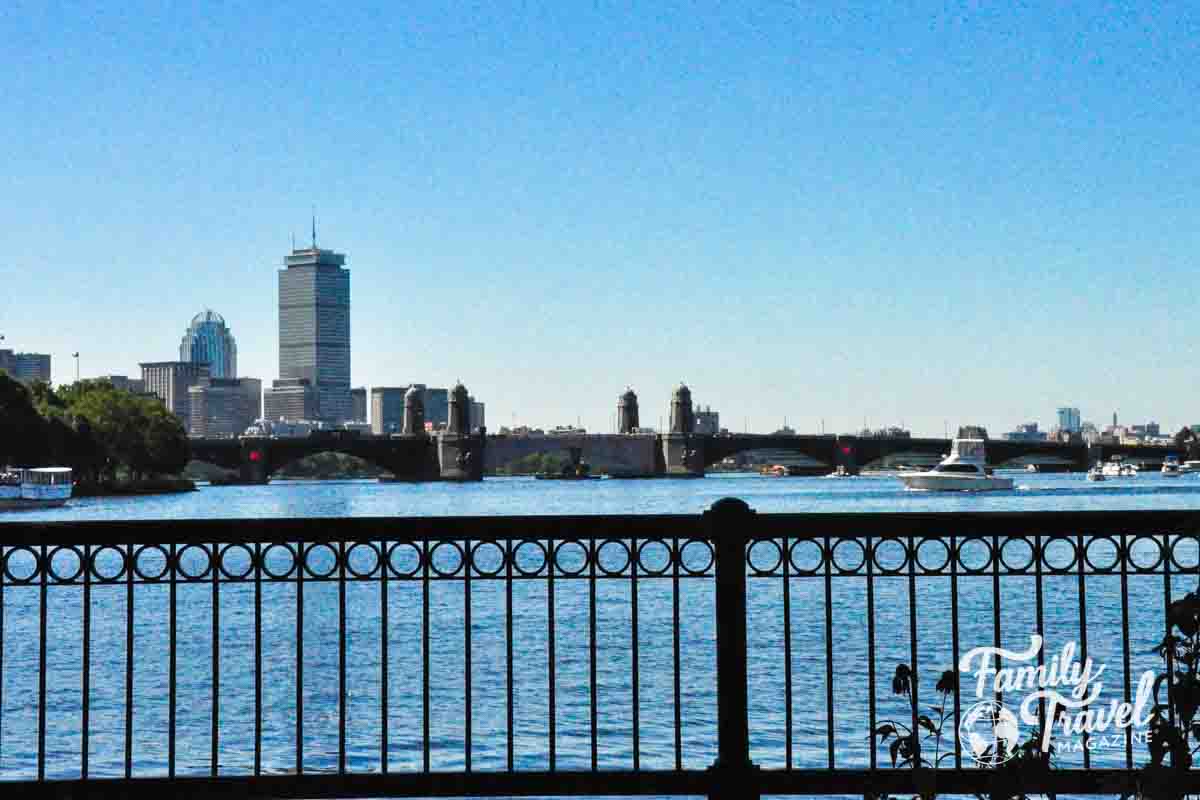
[(314, 229)]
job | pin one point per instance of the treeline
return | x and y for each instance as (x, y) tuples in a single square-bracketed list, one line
[(103, 433)]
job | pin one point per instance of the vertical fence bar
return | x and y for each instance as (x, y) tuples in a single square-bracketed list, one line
[(1039, 606), (300, 559), (829, 649), (508, 650), (592, 556), (467, 654), (3, 568), (86, 667), (1083, 641), (172, 660), (1124, 556), (675, 654), (42, 614), (787, 656), (727, 525), (215, 739), (258, 652), (129, 562), (342, 657), (550, 649), (425, 640), (996, 605), (633, 643), (1166, 562), (384, 565), (912, 628), (874, 758), (952, 555)]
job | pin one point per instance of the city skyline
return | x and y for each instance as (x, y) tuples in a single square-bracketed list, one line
[(986, 220)]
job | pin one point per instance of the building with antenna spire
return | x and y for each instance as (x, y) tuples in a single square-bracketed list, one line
[(314, 330)]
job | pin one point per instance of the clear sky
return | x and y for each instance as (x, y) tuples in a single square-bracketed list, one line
[(888, 212)]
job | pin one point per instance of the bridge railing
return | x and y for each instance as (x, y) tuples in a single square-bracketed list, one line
[(723, 654)]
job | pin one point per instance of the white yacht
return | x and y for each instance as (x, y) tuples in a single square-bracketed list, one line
[(1117, 468), (1170, 467), (1189, 466), (1096, 473), (964, 470), (43, 487)]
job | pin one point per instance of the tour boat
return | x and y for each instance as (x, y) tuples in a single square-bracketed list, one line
[(1170, 467), (964, 470), (41, 487)]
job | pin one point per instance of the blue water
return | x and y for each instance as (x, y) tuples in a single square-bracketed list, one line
[(697, 710)]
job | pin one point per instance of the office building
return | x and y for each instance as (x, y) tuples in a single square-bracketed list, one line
[(26, 367), (290, 399), (125, 383), (209, 341), (387, 408), (170, 381), (707, 420), (314, 327), (224, 407), (358, 404), (476, 415), (1069, 420), (1028, 432)]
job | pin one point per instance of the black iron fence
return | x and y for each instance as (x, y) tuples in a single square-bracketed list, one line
[(727, 654)]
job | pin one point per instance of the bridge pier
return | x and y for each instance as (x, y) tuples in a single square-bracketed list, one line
[(255, 465), (683, 455), (461, 454)]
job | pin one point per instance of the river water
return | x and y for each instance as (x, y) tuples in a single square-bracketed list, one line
[(656, 695)]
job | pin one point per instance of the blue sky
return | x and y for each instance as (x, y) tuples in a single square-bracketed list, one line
[(916, 214)]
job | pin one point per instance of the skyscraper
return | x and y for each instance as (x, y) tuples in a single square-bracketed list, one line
[(170, 380), (314, 327), (209, 341), (1068, 420)]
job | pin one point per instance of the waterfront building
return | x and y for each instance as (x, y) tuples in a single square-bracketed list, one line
[(209, 341), (358, 404), (476, 414), (314, 327), (125, 383), (1069, 420), (170, 381), (387, 408), (707, 420), (1026, 432), (224, 407), (290, 399), (26, 367)]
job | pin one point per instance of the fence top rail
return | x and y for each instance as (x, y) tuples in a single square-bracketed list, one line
[(598, 527)]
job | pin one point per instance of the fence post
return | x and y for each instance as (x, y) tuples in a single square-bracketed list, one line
[(728, 524)]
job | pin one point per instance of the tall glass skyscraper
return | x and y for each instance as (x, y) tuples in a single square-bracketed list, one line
[(209, 341), (314, 327)]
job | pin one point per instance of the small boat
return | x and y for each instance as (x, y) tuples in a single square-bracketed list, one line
[(1117, 468), (1170, 467), (1189, 466), (841, 472), (964, 470), (778, 471), (1096, 474), (37, 487)]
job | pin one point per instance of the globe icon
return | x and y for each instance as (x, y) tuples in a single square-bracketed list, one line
[(989, 733)]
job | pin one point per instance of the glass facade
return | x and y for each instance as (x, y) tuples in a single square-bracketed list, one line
[(314, 328), (209, 341)]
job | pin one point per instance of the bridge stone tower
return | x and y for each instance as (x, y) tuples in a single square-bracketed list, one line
[(414, 413), (627, 412), (460, 453), (683, 449)]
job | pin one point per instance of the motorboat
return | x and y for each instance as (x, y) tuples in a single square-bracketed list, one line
[(963, 470), (1096, 473), (38, 487), (1117, 468), (841, 472), (1170, 467), (1189, 466)]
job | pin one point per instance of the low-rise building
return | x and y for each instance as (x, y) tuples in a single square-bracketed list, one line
[(1025, 432), (26, 367), (291, 399), (224, 407)]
